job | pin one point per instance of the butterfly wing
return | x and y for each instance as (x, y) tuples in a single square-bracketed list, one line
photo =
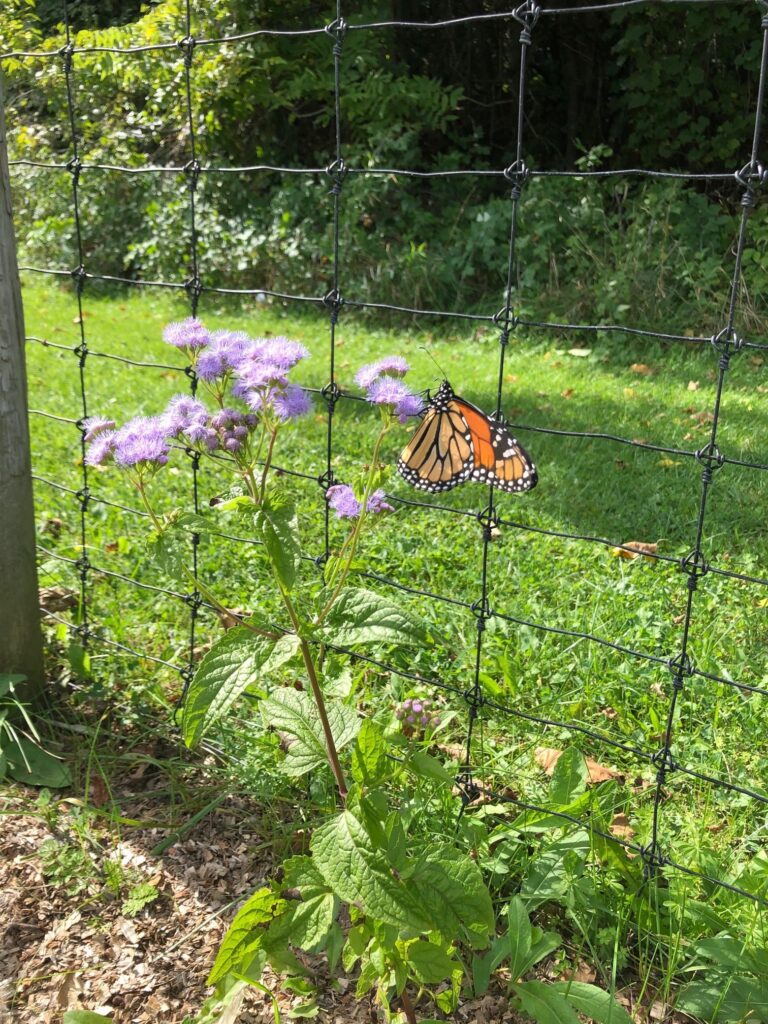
[(499, 458), (439, 455)]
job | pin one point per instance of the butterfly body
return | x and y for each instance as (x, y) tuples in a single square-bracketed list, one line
[(456, 442)]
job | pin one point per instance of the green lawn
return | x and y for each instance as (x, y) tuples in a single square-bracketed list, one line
[(662, 394)]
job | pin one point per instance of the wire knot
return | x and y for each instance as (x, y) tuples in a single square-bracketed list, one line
[(517, 174), (727, 341), (752, 175), (83, 565), (187, 674), (331, 393), (75, 166), (337, 170), (193, 286), (653, 858), (337, 30), (489, 521), (66, 53), (192, 169), (694, 565), (83, 496), (326, 479), (78, 275), (187, 47), (680, 666), (194, 599), (333, 301), (508, 319), (468, 789), (664, 761), (81, 351), (711, 458), (527, 14), (482, 612)]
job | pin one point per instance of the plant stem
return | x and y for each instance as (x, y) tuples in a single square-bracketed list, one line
[(268, 462), (306, 653), (209, 596), (410, 1014), (356, 532)]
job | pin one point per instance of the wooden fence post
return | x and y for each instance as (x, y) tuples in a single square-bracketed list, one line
[(21, 644)]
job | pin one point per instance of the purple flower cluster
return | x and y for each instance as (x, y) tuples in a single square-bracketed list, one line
[(384, 386), (341, 498), (143, 441), (188, 335), (231, 429), (94, 426), (416, 714)]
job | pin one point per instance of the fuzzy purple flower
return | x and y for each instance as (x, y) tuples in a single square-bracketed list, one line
[(415, 714), (189, 335), (291, 403), (184, 413), (391, 391), (94, 426), (260, 375), (141, 440), (395, 366), (224, 353), (283, 352), (100, 448), (341, 498)]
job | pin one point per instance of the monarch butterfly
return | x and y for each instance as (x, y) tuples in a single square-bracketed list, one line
[(456, 442)]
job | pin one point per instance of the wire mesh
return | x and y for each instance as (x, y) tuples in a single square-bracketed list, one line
[(725, 344)]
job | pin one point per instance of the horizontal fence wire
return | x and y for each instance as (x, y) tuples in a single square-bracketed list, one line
[(725, 345)]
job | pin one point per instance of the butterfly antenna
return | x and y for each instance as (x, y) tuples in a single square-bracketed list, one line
[(443, 374)]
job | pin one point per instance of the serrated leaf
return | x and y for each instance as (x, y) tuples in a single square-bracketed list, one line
[(451, 889), (278, 525), (593, 1002), (369, 757), (429, 767), (358, 873), (544, 1003), (550, 875), (431, 964), (238, 660), (294, 712), (34, 766), (361, 616), (245, 934)]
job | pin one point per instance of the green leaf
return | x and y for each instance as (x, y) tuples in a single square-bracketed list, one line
[(7, 682), (431, 964), (729, 998), (294, 712), (83, 1017), (34, 766), (450, 888), (361, 616), (307, 921), (544, 1003), (551, 873), (569, 777), (518, 937), (359, 873), (429, 767), (238, 660), (245, 934), (369, 757), (278, 525), (593, 1002)]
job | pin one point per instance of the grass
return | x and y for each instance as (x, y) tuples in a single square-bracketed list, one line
[(660, 393)]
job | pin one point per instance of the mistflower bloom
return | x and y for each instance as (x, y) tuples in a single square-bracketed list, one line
[(100, 448), (395, 366), (341, 498), (282, 351), (184, 413), (291, 403), (392, 391), (223, 354), (260, 375), (416, 714), (141, 440), (94, 426), (187, 334)]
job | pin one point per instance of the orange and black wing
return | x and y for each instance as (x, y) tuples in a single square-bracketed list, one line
[(499, 458), (439, 455)]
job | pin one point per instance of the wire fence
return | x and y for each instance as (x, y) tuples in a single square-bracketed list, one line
[(725, 344)]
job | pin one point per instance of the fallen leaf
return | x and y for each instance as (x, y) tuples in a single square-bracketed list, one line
[(668, 463), (643, 369), (609, 713), (756, 360), (53, 526), (693, 385), (568, 393), (56, 599), (629, 392), (621, 828), (582, 972), (636, 548), (580, 352), (547, 758)]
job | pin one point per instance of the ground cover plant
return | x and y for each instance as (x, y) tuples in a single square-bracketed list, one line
[(671, 943)]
